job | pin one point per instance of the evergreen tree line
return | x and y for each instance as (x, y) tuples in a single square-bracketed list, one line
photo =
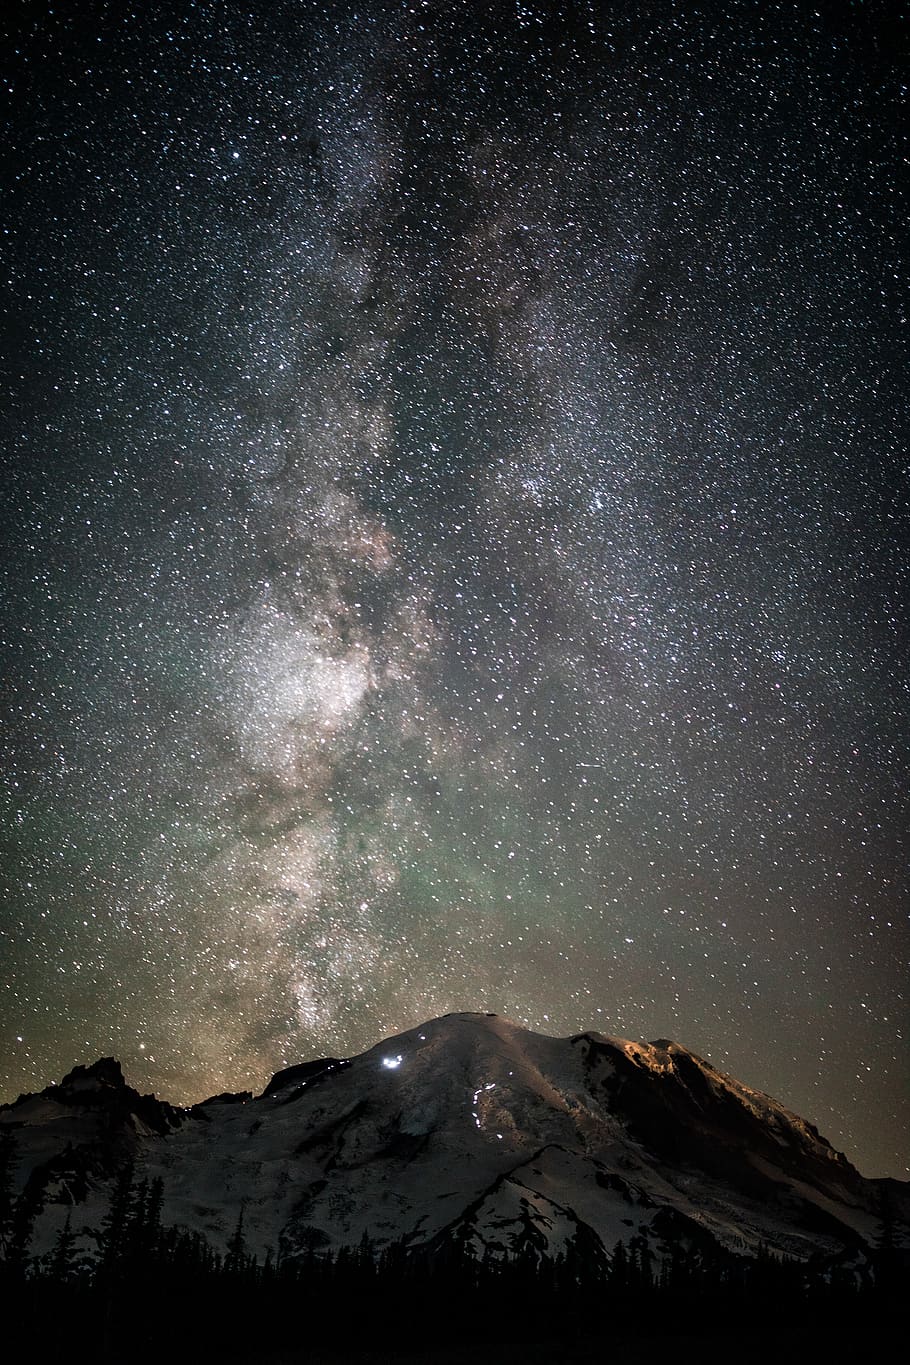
[(148, 1285)]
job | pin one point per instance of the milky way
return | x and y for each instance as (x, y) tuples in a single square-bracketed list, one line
[(455, 547)]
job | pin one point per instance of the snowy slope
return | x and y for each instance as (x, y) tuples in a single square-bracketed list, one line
[(469, 1128)]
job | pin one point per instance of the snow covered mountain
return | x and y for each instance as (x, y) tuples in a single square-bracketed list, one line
[(467, 1128)]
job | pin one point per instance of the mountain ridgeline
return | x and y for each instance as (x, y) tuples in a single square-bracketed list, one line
[(465, 1153)]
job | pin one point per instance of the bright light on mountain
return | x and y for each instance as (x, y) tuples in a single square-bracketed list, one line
[(392, 1062)]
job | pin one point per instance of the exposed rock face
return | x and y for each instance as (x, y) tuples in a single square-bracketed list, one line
[(79, 1133), (472, 1129), (686, 1112), (303, 1073)]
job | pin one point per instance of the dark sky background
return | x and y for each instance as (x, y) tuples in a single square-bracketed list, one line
[(455, 540)]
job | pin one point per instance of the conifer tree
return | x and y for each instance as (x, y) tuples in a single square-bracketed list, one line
[(885, 1261), (62, 1262), (114, 1225), (7, 1162), (619, 1269), (135, 1225), (153, 1207), (28, 1206), (236, 1260)]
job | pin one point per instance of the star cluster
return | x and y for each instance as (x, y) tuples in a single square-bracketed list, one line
[(455, 554)]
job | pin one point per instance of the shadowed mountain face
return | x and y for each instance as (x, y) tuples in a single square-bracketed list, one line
[(467, 1129)]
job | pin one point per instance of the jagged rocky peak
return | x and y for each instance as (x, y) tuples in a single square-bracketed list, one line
[(106, 1072)]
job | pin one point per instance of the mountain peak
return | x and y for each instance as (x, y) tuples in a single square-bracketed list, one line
[(107, 1071), (469, 1128)]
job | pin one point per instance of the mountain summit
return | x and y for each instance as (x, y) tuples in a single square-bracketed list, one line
[(468, 1130)]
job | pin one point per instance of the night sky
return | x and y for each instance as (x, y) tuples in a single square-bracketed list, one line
[(455, 537)]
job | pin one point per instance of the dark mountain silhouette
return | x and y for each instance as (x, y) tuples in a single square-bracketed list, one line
[(466, 1132)]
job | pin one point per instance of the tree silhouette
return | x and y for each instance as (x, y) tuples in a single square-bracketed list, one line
[(236, 1260), (113, 1238), (62, 1259), (28, 1206), (7, 1204)]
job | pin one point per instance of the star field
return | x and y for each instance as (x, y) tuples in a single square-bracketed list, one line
[(455, 538)]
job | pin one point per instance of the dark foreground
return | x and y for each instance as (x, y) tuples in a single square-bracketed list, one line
[(748, 1347), (444, 1312), (150, 1293)]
